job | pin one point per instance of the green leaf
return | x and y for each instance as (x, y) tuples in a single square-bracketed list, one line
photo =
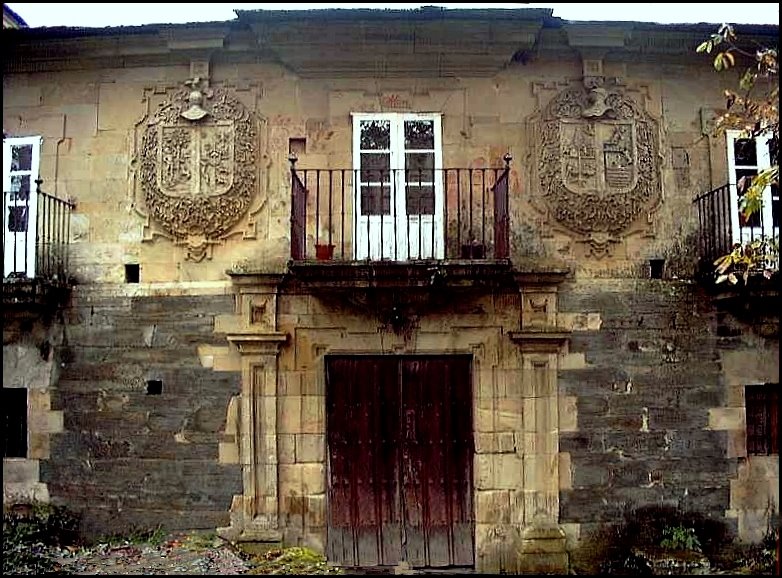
[(747, 80)]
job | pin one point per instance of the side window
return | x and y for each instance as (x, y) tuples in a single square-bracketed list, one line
[(21, 163), (746, 158), (15, 422), (762, 405)]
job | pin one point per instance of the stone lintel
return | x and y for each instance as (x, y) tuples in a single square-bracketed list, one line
[(529, 277), (544, 341), (255, 280), (258, 343)]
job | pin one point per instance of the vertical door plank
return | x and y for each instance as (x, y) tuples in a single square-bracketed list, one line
[(461, 460)]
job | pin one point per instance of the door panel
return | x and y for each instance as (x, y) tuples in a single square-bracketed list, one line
[(362, 412), (400, 460), (437, 460)]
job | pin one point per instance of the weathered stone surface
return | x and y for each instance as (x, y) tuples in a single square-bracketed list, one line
[(653, 424), (125, 456), (646, 369)]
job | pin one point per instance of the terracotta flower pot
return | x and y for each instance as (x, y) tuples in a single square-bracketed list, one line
[(324, 252), (473, 250)]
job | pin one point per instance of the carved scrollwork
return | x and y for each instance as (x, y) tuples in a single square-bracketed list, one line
[(597, 162), (198, 165)]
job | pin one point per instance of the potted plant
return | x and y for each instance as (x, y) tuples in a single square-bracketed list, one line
[(473, 249), (324, 251)]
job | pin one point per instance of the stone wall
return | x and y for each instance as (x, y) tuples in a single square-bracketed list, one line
[(92, 119), (644, 404), (30, 361), (658, 420), (127, 458)]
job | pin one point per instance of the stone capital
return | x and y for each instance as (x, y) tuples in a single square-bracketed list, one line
[(258, 343)]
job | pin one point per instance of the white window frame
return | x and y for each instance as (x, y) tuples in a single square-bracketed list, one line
[(20, 247), (747, 233), (395, 226)]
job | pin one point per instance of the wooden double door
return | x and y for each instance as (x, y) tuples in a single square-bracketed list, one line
[(400, 452)]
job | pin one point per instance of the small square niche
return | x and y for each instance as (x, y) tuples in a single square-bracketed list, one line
[(132, 273), (154, 387)]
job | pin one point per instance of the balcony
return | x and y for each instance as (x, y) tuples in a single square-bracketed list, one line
[(722, 226), (400, 227), (35, 248)]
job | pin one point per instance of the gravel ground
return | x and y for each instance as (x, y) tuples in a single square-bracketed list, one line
[(186, 553)]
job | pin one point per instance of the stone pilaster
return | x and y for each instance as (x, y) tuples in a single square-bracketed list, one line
[(255, 513), (540, 546)]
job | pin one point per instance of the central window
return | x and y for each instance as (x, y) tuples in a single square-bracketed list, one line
[(397, 161)]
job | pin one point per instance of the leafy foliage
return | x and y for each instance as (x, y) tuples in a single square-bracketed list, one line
[(296, 560), (753, 109), (761, 558), (136, 535), (615, 548), (757, 256), (680, 538), (29, 535)]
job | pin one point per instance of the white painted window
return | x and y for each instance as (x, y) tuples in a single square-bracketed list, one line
[(748, 157), (399, 196), (21, 163)]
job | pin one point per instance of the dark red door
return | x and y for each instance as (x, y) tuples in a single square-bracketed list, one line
[(400, 460)]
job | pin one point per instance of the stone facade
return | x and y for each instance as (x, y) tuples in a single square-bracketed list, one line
[(595, 388)]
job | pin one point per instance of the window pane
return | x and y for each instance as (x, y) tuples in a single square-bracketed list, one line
[(21, 157), (376, 200), (745, 152), (375, 167), (419, 167), (420, 200), (20, 187), (773, 150), (17, 219), (773, 154), (419, 134), (375, 134)]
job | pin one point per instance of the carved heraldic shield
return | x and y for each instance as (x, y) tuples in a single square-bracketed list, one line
[(198, 165), (597, 162)]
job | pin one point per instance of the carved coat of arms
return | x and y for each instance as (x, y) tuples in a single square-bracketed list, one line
[(198, 165), (597, 163)]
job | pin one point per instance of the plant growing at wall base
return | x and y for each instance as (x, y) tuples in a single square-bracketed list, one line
[(29, 533), (680, 538)]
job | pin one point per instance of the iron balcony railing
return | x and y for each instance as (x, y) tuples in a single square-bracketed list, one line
[(403, 215), (722, 226), (36, 236)]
